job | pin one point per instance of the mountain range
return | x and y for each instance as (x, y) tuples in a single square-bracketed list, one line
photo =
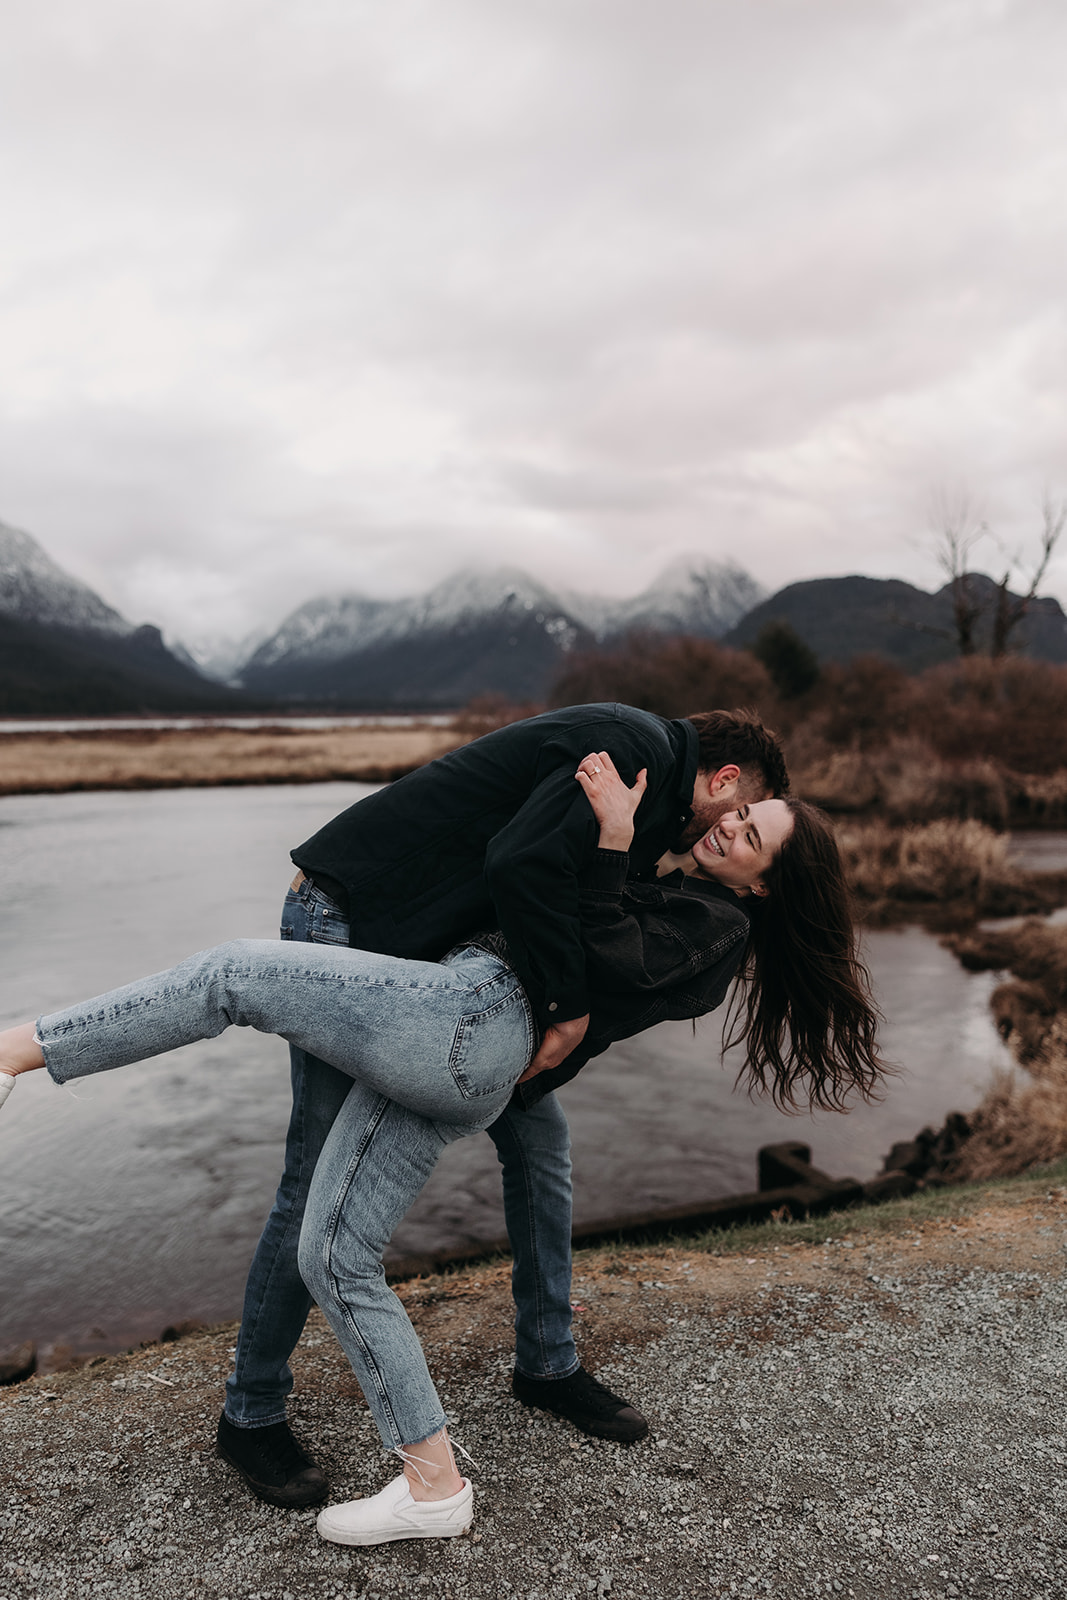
[(64, 650), (477, 632)]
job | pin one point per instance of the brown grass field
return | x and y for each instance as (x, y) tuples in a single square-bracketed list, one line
[(51, 763)]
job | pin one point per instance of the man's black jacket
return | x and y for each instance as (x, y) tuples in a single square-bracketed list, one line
[(496, 834)]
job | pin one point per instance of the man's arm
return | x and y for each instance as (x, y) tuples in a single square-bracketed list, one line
[(532, 867)]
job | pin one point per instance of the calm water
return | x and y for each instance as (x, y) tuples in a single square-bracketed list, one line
[(135, 1199)]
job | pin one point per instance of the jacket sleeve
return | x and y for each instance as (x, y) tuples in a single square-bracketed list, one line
[(635, 944), (532, 865)]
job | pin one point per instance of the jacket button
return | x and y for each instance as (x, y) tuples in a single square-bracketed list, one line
[(552, 1006)]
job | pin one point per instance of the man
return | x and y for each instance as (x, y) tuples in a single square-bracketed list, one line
[(489, 836)]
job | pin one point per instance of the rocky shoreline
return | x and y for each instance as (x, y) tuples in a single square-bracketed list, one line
[(868, 1405), (790, 1189)]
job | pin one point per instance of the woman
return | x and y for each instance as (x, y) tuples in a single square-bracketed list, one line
[(435, 1051)]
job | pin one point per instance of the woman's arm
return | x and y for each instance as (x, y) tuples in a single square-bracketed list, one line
[(643, 937), (614, 805)]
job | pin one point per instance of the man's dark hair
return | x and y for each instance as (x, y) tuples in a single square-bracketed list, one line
[(739, 737)]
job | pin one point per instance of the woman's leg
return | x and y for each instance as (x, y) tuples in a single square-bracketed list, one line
[(446, 1040), (375, 1162), (276, 1301), (19, 1052)]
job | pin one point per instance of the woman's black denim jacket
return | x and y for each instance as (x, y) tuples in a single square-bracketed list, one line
[(655, 950)]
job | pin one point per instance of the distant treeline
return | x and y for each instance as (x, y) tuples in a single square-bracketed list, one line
[(972, 738)]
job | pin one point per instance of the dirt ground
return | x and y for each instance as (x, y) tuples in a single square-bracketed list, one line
[(876, 1413)]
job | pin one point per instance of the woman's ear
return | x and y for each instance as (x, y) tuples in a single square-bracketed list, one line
[(751, 888)]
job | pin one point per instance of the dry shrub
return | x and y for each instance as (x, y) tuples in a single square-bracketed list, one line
[(862, 705), (1034, 952), (916, 784), (906, 781), (944, 860), (1016, 1126), (1010, 711), (837, 780), (974, 740), (1020, 1123), (1037, 801), (1024, 1017), (673, 677)]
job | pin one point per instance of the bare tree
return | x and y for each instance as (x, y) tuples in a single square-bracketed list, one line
[(958, 530), (1009, 610)]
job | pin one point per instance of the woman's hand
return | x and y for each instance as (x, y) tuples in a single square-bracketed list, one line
[(613, 803)]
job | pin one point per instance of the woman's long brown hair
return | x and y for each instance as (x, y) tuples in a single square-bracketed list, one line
[(805, 1013)]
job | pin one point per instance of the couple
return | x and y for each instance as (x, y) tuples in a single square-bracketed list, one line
[(515, 907)]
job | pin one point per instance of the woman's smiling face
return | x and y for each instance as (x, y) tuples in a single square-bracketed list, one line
[(740, 847)]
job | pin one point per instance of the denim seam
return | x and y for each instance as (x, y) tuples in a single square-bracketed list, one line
[(329, 1238)]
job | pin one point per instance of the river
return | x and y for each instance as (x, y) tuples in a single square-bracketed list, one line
[(134, 1199)]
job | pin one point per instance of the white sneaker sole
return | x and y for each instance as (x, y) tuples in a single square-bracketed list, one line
[(362, 1522), (390, 1536)]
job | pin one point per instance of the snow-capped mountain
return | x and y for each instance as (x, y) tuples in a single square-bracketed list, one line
[(477, 632), (35, 589), (691, 595), (64, 650)]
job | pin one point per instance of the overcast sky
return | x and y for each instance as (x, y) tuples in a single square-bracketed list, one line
[(298, 297)]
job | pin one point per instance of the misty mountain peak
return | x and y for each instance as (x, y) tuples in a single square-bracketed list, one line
[(35, 589), (479, 630)]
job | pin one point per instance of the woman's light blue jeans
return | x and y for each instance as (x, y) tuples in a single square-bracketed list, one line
[(434, 1051), (533, 1148)]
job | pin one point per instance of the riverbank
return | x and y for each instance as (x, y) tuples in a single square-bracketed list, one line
[(165, 758), (867, 1405)]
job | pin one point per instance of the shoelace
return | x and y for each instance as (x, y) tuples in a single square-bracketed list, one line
[(585, 1388), (410, 1460), (282, 1451)]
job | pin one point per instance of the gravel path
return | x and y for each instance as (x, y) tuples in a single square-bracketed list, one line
[(880, 1415)]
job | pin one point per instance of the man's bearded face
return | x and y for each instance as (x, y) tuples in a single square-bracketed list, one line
[(707, 813)]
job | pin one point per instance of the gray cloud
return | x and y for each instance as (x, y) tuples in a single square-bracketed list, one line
[(347, 295)]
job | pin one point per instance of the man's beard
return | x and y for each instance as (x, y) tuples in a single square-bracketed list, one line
[(704, 818)]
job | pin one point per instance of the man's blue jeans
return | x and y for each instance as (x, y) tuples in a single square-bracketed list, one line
[(533, 1148)]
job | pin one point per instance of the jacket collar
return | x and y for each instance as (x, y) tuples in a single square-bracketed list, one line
[(688, 758)]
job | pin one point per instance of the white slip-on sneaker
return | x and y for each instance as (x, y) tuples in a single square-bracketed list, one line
[(393, 1514), (7, 1083)]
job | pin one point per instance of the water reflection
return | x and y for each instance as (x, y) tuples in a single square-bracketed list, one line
[(133, 1200)]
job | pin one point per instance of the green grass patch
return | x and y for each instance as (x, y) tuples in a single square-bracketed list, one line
[(955, 1200)]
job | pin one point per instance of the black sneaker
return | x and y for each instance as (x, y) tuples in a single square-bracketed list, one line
[(583, 1401), (273, 1465)]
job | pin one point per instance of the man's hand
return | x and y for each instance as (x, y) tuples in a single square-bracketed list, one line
[(559, 1041)]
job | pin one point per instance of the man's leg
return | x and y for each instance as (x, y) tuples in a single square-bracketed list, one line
[(533, 1148), (253, 1433), (276, 1302)]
